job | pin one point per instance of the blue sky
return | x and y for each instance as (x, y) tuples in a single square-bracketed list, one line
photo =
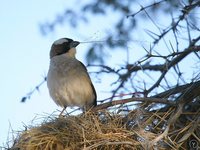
[(25, 58)]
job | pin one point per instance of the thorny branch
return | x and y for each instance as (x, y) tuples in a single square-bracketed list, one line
[(164, 68), (146, 7), (174, 62), (185, 11), (134, 99), (28, 95)]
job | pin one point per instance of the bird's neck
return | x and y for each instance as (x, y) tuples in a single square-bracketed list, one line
[(72, 52)]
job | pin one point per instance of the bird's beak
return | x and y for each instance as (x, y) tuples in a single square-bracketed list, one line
[(74, 44)]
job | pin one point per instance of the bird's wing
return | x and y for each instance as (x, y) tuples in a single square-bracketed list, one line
[(94, 91)]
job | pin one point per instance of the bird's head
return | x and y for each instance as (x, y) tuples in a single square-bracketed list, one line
[(62, 46)]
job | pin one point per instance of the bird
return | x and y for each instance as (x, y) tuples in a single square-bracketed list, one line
[(68, 81)]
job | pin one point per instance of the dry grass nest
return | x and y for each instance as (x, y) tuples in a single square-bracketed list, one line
[(107, 130)]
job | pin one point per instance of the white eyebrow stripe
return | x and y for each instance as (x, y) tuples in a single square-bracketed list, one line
[(60, 41)]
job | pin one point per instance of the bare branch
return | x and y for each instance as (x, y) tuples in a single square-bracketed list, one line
[(134, 99), (177, 89), (176, 60)]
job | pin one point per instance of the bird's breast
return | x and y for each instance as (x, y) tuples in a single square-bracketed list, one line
[(69, 84)]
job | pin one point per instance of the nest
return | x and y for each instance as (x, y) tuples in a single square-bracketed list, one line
[(105, 130)]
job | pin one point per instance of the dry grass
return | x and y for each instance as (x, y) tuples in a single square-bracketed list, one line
[(105, 130)]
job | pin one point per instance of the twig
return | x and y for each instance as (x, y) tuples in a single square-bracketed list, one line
[(28, 95), (139, 99), (175, 90), (143, 8), (174, 61), (193, 127), (171, 121)]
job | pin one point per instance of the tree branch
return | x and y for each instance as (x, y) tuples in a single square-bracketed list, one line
[(175, 61), (134, 99)]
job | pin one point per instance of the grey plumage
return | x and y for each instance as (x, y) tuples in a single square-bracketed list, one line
[(68, 81)]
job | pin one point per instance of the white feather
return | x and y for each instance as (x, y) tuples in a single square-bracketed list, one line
[(60, 41)]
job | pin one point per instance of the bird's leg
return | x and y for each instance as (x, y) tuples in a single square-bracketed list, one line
[(60, 115)]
